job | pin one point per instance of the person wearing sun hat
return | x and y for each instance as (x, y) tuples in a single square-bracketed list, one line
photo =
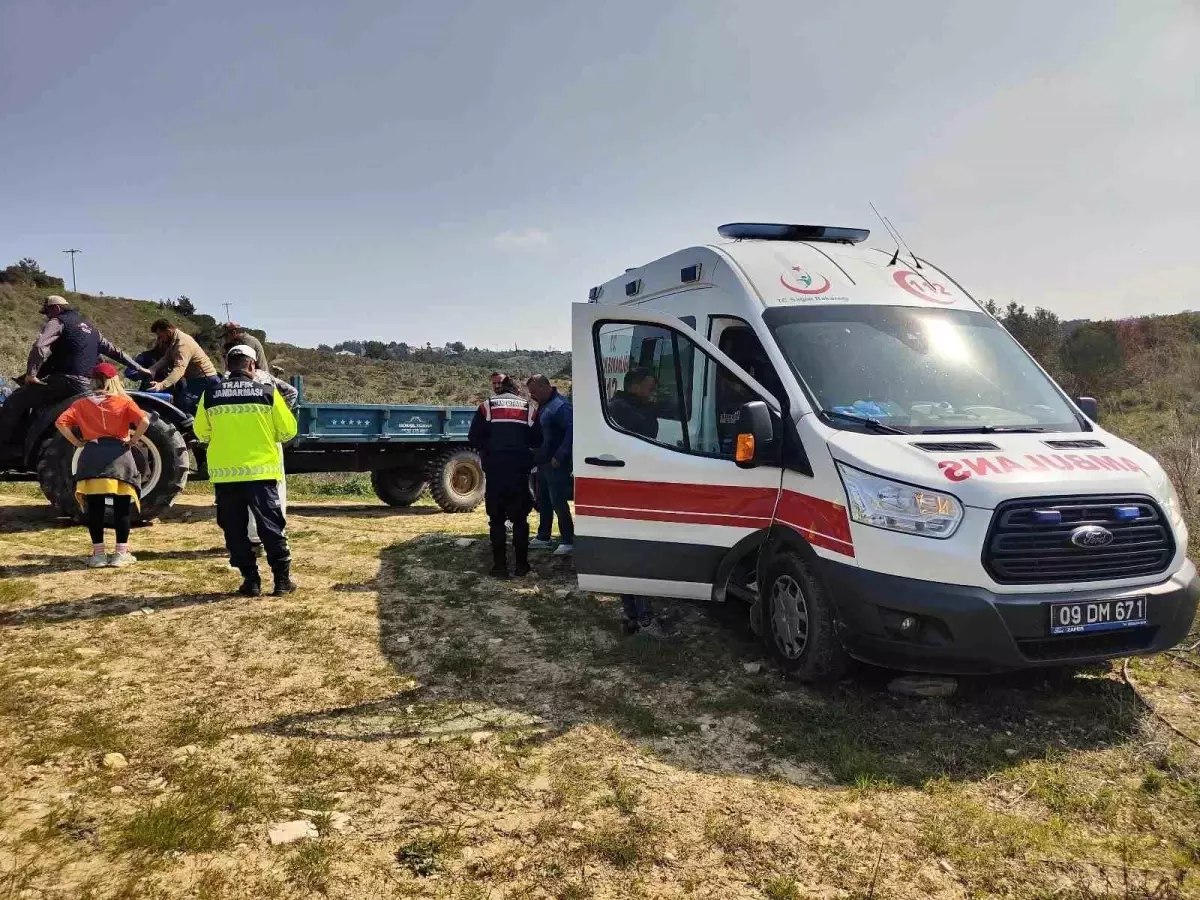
[(107, 421), (65, 351)]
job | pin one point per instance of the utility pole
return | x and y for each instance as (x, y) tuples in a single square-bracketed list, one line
[(72, 255), (228, 317)]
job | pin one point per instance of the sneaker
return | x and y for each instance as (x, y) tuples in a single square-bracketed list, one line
[(98, 560), (564, 550), (121, 559), (539, 544)]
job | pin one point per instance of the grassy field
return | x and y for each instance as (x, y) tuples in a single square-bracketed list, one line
[(451, 736)]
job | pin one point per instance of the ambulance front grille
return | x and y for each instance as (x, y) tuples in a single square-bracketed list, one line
[(1029, 544)]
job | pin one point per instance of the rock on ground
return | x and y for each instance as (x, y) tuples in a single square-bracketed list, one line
[(923, 686), (115, 761), (290, 832)]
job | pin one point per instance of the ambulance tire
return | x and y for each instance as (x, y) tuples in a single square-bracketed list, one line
[(398, 487), (798, 624), (456, 480)]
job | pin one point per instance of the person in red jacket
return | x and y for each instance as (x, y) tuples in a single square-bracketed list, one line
[(106, 472)]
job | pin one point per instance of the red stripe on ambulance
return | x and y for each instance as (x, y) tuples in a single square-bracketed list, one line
[(822, 523)]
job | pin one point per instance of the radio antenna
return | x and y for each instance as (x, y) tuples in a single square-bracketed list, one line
[(916, 262), (887, 225)]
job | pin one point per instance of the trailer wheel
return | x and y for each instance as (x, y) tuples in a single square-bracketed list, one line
[(398, 487), (162, 461), (798, 622), (456, 480)]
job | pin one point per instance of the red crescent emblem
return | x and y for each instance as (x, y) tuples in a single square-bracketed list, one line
[(798, 290), (920, 286)]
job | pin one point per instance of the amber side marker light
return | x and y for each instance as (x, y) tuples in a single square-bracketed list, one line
[(745, 448)]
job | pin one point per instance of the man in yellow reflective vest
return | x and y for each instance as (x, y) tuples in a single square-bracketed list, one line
[(244, 421)]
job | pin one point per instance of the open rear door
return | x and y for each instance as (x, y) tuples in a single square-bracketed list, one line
[(659, 500)]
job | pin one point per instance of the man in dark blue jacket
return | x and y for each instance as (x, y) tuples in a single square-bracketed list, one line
[(555, 483)]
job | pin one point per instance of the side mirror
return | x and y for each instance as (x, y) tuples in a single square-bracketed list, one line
[(755, 434), (1089, 407)]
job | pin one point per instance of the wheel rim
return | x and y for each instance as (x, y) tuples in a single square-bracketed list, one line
[(789, 617), (464, 479), (149, 463)]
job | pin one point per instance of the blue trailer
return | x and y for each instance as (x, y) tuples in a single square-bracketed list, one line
[(406, 449)]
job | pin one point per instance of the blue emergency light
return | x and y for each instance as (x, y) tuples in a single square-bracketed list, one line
[(763, 231), (1126, 513), (1047, 516)]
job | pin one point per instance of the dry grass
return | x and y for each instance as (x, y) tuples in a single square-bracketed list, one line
[(452, 736)]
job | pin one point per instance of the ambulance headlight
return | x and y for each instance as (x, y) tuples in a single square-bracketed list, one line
[(1170, 498), (900, 507)]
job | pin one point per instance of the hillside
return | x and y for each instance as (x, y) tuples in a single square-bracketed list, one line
[(328, 376)]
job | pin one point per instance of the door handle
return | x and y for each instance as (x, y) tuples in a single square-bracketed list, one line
[(610, 462)]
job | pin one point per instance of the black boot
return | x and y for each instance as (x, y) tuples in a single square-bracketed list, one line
[(283, 580), (251, 583), (499, 562), (522, 566)]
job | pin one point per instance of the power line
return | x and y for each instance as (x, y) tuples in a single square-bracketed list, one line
[(228, 315), (72, 253)]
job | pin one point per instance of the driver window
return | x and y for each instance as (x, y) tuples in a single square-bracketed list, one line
[(659, 386), (742, 345)]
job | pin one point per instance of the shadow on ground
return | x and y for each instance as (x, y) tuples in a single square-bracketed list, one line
[(360, 511), (102, 606), (38, 517), (42, 564), (551, 658)]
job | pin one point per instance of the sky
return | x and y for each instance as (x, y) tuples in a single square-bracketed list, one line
[(463, 171)]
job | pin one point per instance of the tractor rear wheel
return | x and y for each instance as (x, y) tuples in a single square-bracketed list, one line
[(162, 461), (456, 480)]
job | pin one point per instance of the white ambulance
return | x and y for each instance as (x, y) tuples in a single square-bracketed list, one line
[(842, 439)]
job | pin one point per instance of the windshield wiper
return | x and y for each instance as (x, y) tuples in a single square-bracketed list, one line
[(986, 429), (865, 421)]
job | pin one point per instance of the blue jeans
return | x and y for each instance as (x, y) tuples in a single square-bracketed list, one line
[(637, 609), (554, 490)]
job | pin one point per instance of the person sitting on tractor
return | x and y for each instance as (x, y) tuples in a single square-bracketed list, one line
[(60, 364), (184, 370)]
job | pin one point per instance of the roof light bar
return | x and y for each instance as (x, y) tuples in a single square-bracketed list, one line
[(764, 231)]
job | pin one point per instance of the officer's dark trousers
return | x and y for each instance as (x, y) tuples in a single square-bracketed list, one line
[(508, 500), (34, 397), (236, 503)]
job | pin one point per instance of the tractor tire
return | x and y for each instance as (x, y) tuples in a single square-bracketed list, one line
[(798, 623), (162, 460), (56, 477), (456, 480), (398, 487)]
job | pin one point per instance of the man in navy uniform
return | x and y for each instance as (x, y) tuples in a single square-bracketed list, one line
[(504, 432)]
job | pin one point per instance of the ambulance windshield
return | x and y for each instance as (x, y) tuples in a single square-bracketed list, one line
[(917, 370)]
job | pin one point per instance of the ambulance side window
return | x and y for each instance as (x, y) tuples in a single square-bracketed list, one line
[(659, 386)]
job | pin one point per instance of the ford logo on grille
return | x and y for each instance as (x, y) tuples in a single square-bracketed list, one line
[(1091, 536)]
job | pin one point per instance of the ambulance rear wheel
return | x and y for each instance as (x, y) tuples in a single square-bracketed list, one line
[(398, 487), (798, 624), (456, 480)]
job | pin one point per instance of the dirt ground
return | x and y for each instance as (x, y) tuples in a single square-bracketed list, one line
[(438, 733)]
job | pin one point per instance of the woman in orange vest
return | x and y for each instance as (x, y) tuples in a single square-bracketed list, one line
[(106, 472)]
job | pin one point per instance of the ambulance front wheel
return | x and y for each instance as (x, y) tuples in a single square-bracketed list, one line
[(798, 624)]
